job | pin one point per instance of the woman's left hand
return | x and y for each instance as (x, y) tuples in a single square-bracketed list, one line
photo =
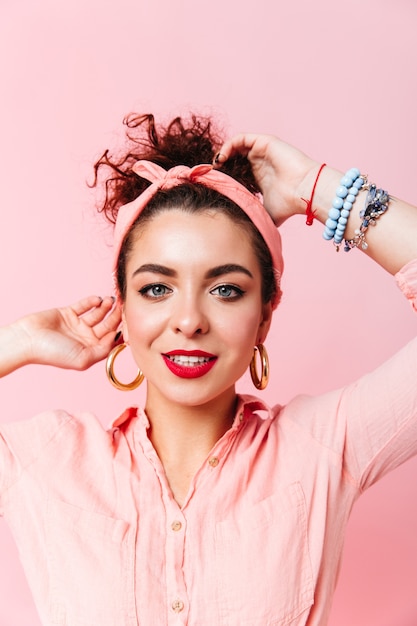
[(284, 174)]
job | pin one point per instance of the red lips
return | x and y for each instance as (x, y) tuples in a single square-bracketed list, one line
[(189, 363)]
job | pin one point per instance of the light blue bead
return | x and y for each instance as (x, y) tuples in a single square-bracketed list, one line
[(346, 181), (353, 173), (341, 192), (331, 224), (334, 214), (345, 196), (337, 203)]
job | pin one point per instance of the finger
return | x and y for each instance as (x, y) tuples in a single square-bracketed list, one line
[(85, 304), (239, 144), (109, 324), (95, 315), (95, 351), (101, 350)]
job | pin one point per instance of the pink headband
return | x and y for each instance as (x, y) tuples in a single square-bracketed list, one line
[(214, 179)]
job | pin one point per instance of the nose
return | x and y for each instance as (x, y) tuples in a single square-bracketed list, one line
[(188, 317)]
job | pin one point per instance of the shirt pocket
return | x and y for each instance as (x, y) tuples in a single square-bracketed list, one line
[(263, 564), (91, 567)]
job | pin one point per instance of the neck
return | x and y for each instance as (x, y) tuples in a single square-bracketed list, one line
[(181, 432)]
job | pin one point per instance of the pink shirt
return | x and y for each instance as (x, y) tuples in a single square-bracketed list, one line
[(259, 538)]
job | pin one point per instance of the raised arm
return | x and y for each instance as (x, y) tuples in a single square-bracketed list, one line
[(72, 337), (287, 176)]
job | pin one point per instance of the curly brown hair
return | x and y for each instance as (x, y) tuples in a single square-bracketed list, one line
[(190, 141)]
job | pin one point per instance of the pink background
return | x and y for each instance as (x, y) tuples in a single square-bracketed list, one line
[(338, 80)]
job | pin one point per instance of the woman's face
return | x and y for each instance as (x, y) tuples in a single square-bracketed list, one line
[(193, 309)]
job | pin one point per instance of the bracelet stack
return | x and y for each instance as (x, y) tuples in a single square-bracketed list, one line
[(376, 204), (342, 204)]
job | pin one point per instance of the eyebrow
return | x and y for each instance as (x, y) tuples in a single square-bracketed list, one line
[(215, 272), (154, 268), (227, 268)]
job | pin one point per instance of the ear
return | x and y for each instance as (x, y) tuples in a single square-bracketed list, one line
[(266, 320), (125, 332)]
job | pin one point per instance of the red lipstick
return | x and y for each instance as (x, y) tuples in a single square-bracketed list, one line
[(189, 363)]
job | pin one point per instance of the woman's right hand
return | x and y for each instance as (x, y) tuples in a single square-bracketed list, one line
[(71, 337)]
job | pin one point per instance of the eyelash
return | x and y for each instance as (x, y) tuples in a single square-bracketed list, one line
[(238, 293), (147, 288), (146, 291)]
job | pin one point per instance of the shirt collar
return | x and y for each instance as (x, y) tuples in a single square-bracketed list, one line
[(126, 416), (246, 405)]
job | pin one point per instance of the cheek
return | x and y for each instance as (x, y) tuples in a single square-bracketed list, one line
[(141, 327), (242, 329)]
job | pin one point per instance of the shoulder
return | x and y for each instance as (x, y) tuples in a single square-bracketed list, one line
[(28, 439)]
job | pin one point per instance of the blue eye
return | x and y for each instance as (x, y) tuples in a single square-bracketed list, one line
[(156, 290), (228, 292)]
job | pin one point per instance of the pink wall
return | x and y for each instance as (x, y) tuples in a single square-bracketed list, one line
[(338, 80)]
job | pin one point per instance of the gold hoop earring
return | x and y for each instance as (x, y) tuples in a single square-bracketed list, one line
[(260, 383), (111, 375)]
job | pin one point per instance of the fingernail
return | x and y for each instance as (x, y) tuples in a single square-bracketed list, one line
[(217, 158), (113, 299), (118, 335)]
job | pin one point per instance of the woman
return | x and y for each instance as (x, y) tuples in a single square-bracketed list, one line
[(205, 508)]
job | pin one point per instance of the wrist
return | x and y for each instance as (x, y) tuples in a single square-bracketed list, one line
[(14, 349), (306, 194), (330, 192), (324, 193), (23, 340)]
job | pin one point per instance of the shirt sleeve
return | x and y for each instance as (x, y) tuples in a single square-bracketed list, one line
[(372, 423), (21, 444)]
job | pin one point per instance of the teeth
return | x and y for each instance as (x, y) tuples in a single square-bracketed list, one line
[(188, 361)]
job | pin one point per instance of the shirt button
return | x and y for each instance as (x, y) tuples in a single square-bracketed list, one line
[(214, 461), (177, 606), (176, 525)]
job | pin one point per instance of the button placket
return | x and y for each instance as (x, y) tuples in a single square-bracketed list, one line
[(175, 545)]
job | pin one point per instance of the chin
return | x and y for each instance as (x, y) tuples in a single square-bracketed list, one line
[(191, 395)]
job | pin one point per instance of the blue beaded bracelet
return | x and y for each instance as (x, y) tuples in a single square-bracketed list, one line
[(346, 193)]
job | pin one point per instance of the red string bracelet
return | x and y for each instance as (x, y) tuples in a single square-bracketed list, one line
[(309, 208)]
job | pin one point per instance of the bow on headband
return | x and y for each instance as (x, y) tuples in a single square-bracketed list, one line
[(214, 179)]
